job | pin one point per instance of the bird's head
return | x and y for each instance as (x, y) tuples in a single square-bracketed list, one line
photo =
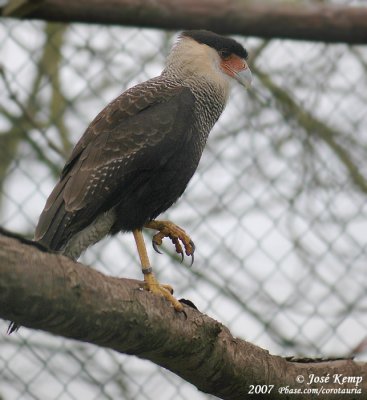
[(211, 56)]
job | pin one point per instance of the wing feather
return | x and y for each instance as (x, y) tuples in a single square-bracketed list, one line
[(134, 133)]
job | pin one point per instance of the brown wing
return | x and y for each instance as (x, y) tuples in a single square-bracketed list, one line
[(130, 135)]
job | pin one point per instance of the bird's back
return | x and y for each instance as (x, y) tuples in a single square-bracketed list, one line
[(136, 157)]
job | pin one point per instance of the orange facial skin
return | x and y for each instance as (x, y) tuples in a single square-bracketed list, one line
[(233, 64)]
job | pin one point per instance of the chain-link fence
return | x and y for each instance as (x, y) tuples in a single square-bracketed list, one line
[(277, 208)]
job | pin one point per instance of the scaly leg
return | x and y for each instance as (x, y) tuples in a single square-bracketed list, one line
[(151, 282), (175, 233)]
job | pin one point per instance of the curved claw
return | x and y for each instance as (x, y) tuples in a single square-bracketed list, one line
[(191, 251), (155, 247), (188, 303), (192, 259)]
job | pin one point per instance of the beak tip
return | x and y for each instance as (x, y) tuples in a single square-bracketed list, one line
[(244, 77)]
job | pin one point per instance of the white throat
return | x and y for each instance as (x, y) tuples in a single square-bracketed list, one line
[(191, 62)]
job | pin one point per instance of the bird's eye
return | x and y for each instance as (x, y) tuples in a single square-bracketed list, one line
[(225, 54)]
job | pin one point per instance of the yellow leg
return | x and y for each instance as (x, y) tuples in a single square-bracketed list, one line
[(151, 282)]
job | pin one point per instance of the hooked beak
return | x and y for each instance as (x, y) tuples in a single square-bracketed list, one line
[(237, 69), (244, 77)]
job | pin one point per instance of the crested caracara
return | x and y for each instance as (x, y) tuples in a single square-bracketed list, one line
[(137, 156)]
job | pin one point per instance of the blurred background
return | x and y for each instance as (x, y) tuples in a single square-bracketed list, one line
[(277, 208)]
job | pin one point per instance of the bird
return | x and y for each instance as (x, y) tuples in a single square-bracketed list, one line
[(138, 155)]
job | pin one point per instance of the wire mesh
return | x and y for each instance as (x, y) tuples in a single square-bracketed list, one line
[(277, 208)]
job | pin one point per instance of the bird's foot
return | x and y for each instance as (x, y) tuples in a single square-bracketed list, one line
[(177, 235), (152, 285)]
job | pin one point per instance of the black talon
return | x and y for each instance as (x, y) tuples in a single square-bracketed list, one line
[(155, 247), (182, 256), (193, 246), (188, 303), (192, 259)]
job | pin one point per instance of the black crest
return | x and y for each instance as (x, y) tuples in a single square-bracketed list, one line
[(218, 42)]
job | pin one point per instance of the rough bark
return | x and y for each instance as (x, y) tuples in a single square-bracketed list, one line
[(266, 19), (47, 291)]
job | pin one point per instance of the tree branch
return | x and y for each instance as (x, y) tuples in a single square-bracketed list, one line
[(50, 292), (292, 20)]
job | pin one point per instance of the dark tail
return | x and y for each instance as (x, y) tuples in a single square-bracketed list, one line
[(54, 221)]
